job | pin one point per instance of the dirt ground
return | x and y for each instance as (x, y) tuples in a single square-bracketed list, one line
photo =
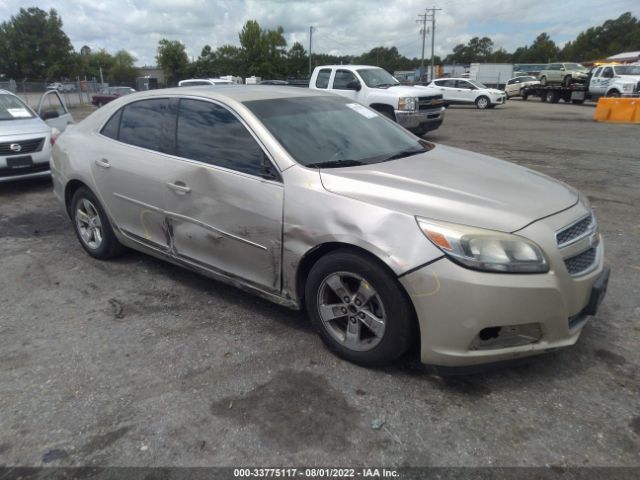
[(136, 362)]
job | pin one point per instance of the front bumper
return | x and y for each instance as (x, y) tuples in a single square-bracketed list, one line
[(30, 164), (499, 99), (422, 119), (469, 317)]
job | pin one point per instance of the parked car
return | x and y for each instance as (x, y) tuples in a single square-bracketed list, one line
[(312, 200), (109, 94), (55, 86), (419, 110), (26, 136), (514, 86), (565, 73), (193, 82), (468, 92)]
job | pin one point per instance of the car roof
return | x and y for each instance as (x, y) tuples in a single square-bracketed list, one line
[(7, 92), (350, 66), (238, 93)]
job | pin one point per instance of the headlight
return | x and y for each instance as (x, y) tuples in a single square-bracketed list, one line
[(628, 87), (485, 250), (407, 103)]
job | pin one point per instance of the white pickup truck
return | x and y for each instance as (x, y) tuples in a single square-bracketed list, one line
[(418, 110), (614, 81)]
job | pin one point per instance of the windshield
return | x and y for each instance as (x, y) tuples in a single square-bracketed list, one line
[(477, 84), (627, 70), (575, 66), (12, 108), (377, 77), (527, 79), (334, 132)]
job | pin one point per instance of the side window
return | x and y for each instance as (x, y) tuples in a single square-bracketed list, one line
[(608, 72), (111, 128), (211, 134), (52, 103), (323, 78), (597, 71), (342, 79), (463, 84), (440, 83), (141, 123), (511, 82)]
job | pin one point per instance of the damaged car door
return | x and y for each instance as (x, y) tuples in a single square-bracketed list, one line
[(53, 110), (223, 196), (129, 163)]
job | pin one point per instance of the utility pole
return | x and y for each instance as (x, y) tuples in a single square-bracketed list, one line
[(422, 18), (433, 38), (310, 37)]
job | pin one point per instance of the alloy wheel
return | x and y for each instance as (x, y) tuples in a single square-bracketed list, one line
[(351, 311), (89, 224)]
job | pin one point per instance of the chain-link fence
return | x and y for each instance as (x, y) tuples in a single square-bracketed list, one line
[(74, 93)]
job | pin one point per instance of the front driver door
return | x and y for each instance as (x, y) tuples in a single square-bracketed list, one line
[(52, 109), (223, 196)]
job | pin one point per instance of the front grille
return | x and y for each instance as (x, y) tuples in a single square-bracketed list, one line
[(581, 263), (425, 103), (575, 231), (26, 146)]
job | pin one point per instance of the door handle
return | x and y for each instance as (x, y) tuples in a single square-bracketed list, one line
[(178, 187), (103, 162)]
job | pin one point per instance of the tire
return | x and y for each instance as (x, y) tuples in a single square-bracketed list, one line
[(93, 229), (567, 81), (543, 81), (524, 97), (577, 102), (340, 279), (613, 94), (551, 97), (482, 102)]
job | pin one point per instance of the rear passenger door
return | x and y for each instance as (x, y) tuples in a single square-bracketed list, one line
[(224, 196), (129, 167)]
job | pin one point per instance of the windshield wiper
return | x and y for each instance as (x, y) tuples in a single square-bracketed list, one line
[(386, 85), (405, 153), (336, 163)]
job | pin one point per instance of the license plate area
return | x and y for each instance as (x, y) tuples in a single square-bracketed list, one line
[(16, 163)]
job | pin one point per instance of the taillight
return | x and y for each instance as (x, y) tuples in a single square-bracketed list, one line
[(55, 133)]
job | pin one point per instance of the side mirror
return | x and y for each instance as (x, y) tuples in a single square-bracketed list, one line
[(354, 85), (562, 69), (49, 114)]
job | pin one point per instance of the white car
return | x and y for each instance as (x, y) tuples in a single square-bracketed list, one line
[(26, 136), (514, 86), (615, 81), (464, 91), (192, 82)]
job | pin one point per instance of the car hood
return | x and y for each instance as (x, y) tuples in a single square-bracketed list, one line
[(412, 91), (23, 127), (493, 91), (456, 186)]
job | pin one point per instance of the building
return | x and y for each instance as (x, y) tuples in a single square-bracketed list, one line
[(153, 72)]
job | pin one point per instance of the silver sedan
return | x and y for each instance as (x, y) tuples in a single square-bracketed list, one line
[(313, 201)]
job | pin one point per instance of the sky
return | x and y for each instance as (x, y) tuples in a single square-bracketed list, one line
[(341, 27)]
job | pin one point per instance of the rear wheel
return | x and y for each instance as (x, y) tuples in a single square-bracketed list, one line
[(359, 309), (482, 102), (92, 226), (551, 97)]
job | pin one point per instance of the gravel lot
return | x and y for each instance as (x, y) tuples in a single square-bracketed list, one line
[(136, 362)]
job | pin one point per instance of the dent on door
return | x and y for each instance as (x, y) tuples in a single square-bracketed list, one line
[(53, 110)]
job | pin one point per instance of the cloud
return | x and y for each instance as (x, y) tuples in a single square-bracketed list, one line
[(345, 27)]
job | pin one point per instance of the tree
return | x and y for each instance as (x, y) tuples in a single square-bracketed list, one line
[(33, 45), (543, 49), (297, 61), (477, 50), (172, 58), (122, 70), (263, 51)]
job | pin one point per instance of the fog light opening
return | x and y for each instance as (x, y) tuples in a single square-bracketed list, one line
[(489, 333)]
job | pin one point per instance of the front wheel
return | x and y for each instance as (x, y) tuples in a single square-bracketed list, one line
[(482, 102), (92, 226), (613, 94), (359, 309)]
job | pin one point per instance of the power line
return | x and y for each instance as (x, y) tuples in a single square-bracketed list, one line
[(428, 15)]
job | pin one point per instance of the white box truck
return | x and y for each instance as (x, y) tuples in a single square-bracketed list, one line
[(491, 74)]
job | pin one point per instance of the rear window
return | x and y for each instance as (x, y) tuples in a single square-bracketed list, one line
[(12, 108), (141, 123), (323, 78)]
